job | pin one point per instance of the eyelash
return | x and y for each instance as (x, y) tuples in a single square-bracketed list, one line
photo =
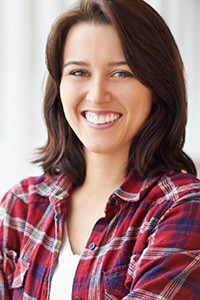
[(123, 74), (81, 73), (119, 74)]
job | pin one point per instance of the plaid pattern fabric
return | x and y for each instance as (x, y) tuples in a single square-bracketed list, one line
[(146, 247)]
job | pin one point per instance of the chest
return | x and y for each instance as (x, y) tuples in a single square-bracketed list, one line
[(105, 263), (80, 222), (109, 238)]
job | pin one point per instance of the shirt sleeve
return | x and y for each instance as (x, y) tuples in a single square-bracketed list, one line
[(5, 292), (7, 255), (169, 267)]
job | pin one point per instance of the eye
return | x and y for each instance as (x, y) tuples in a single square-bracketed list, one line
[(122, 74), (79, 73)]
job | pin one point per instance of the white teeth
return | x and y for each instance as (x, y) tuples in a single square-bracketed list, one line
[(107, 119), (94, 119), (101, 118), (112, 118)]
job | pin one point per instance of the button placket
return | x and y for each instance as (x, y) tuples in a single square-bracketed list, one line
[(92, 246)]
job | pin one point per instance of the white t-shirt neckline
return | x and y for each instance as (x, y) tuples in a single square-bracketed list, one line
[(63, 277)]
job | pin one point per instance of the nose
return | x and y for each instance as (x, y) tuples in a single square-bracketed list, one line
[(98, 91)]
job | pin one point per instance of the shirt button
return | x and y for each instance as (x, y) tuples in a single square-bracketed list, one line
[(113, 202), (92, 246), (57, 217), (78, 298)]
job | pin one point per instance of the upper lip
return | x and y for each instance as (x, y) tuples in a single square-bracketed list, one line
[(101, 112)]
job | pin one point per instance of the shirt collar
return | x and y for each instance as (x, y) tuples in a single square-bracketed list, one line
[(55, 190), (133, 188)]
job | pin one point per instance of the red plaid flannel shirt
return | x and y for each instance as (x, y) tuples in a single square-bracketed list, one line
[(146, 247)]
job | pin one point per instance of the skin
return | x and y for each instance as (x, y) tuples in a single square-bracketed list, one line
[(96, 78), (96, 87)]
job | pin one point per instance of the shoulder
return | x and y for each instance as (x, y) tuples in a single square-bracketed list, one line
[(176, 194), (177, 185), (26, 203), (32, 190), (163, 192), (170, 186), (16, 200), (25, 188)]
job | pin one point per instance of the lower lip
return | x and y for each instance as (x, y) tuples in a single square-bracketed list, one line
[(101, 126)]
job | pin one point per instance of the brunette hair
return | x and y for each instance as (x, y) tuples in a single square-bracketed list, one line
[(152, 54)]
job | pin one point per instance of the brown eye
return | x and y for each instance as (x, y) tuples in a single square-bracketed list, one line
[(78, 73), (122, 74)]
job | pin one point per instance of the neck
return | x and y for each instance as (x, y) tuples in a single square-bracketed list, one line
[(105, 171)]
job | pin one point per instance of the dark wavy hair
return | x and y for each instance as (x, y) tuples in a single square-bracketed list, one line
[(152, 54)]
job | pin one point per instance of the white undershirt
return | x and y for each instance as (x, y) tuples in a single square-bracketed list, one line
[(63, 277)]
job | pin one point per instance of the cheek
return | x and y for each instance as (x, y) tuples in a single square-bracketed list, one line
[(145, 104), (70, 105), (66, 99), (69, 113), (140, 112), (70, 95), (144, 112), (146, 109)]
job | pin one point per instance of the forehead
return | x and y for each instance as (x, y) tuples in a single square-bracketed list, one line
[(92, 39)]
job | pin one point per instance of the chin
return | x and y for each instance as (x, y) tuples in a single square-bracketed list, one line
[(101, 149)]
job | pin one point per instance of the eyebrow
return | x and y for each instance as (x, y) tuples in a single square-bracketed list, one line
[(77, 63), (83, 63), (118, 63)]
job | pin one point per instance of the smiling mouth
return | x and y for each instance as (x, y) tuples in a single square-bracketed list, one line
[(101, 118)]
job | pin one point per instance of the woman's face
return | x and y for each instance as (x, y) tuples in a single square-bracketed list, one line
[(104, 103)]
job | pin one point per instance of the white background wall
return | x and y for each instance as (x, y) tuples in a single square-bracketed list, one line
[(24, 26)]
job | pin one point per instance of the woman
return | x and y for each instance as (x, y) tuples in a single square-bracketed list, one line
[(116, 214)]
